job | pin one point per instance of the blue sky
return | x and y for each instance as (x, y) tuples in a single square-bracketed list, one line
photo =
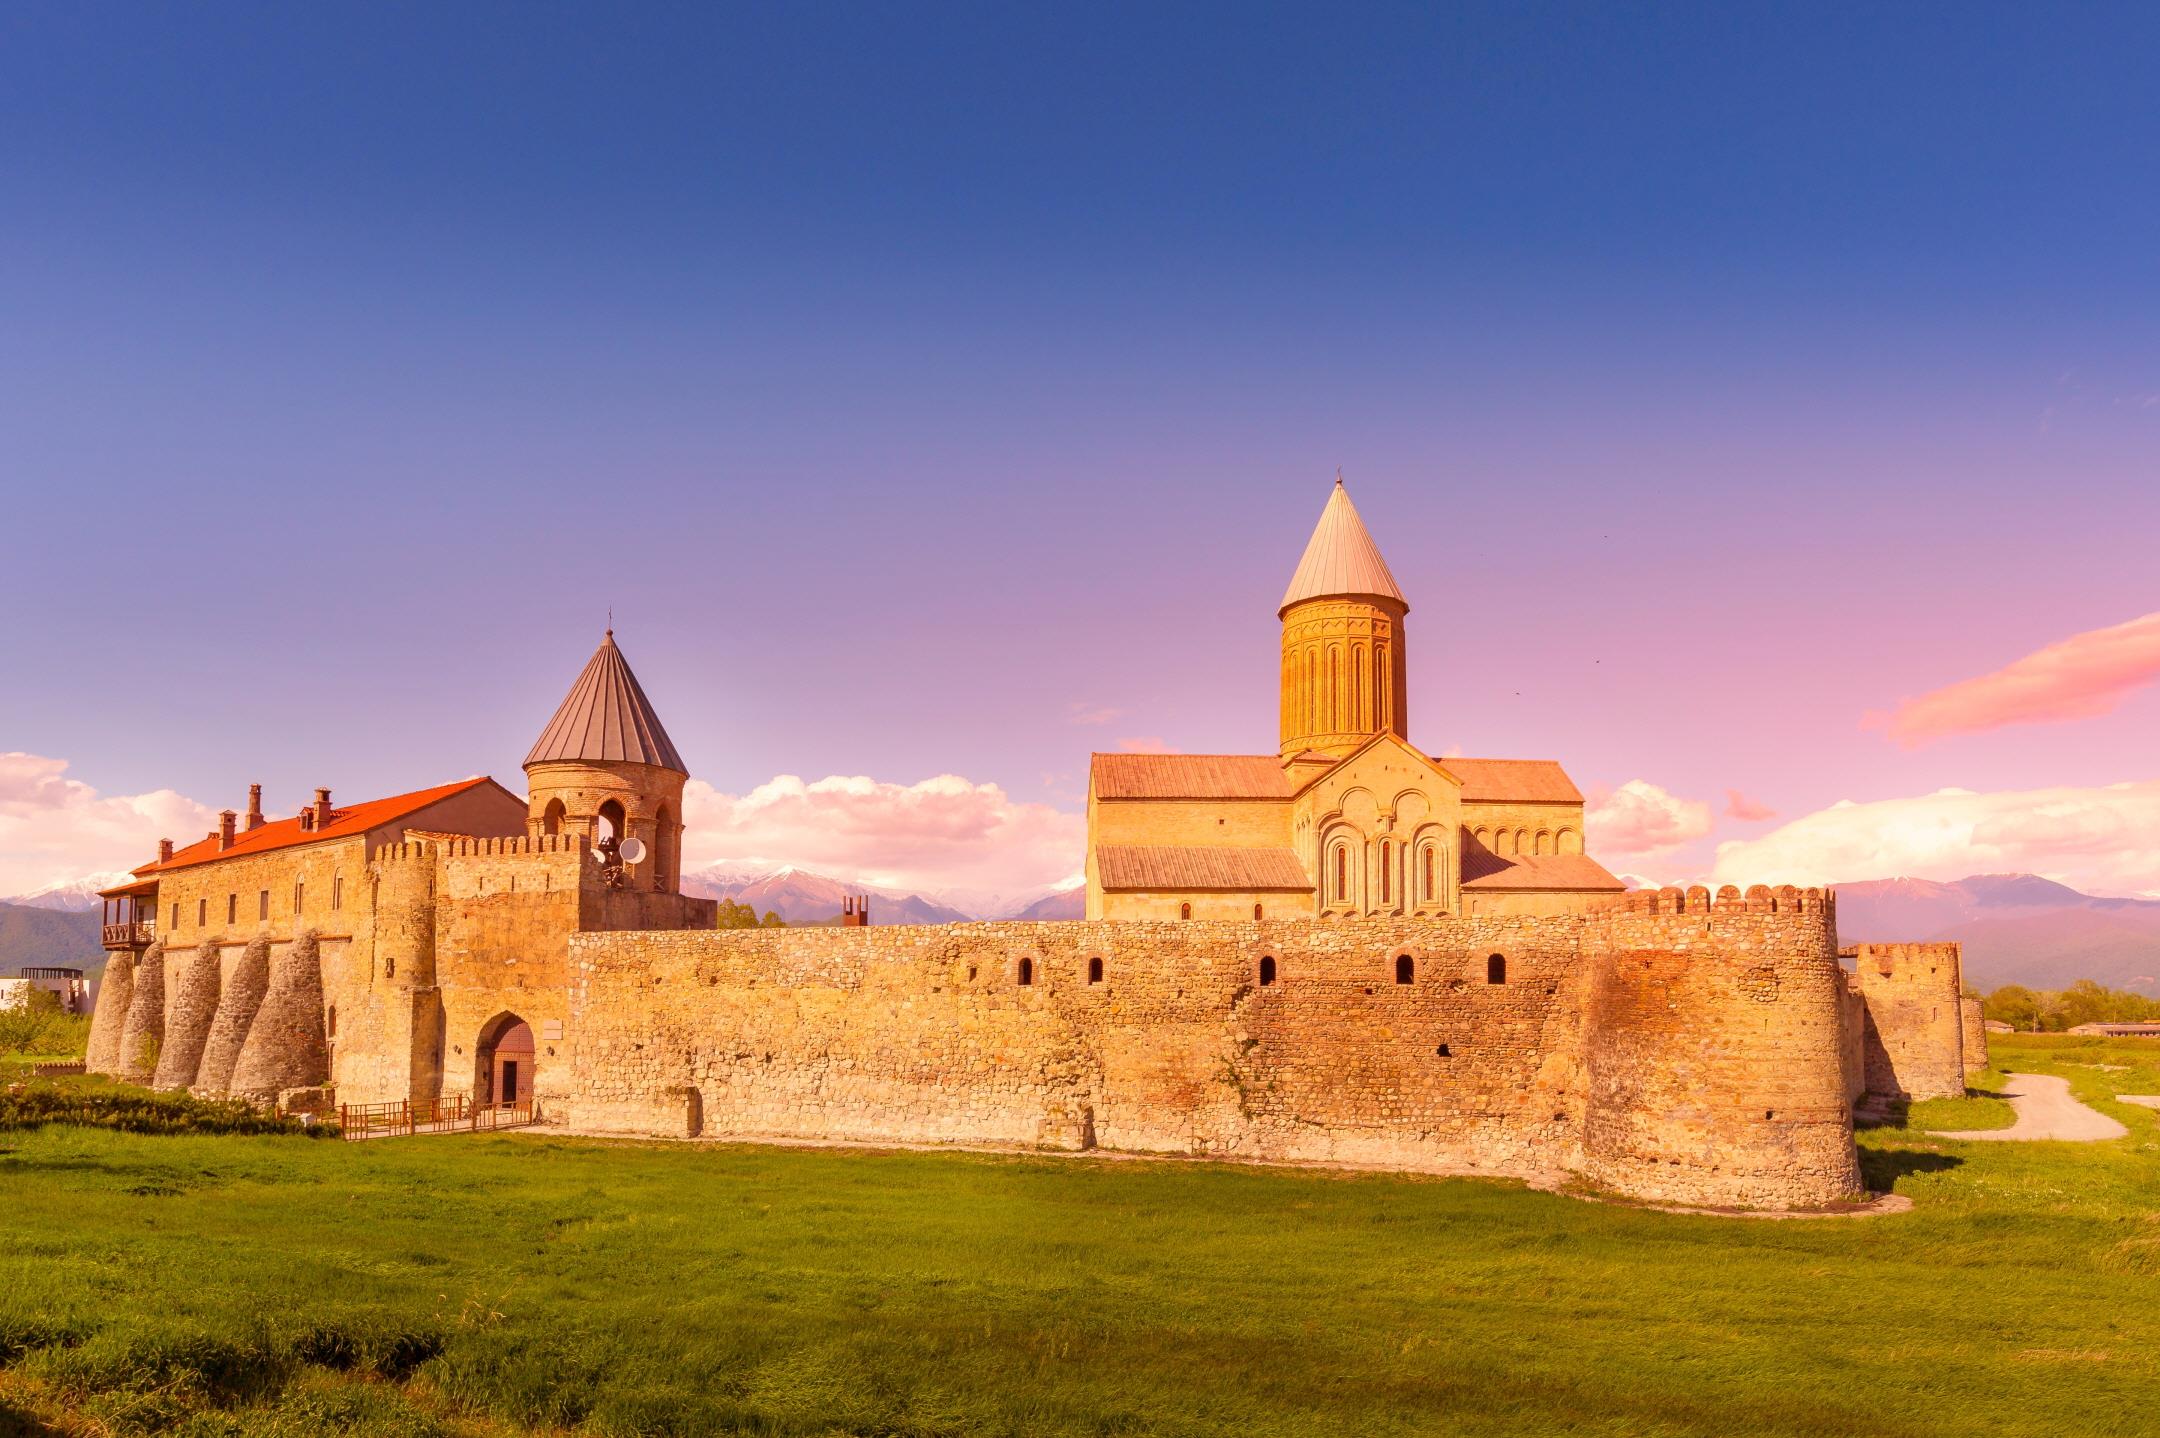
[(911, 380)]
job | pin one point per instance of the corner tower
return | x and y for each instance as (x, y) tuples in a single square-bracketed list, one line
[(1343, 666), (604, 768)]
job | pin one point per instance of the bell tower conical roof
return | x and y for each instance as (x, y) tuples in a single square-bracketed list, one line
[(1341, 559), (606, 718)]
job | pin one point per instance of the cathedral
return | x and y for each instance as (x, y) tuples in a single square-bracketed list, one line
[(1347, 818)]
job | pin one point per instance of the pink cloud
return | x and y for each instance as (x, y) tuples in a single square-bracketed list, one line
[(1092, 714), (1145, 745), (1639, 818), (55, 830), (1740, 806), (2081, 677), (941, 833), (2102, 840)]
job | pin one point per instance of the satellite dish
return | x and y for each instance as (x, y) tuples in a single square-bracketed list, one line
[(632, 850)]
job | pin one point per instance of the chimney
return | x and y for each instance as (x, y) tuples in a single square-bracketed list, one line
[(854, 911), (254, 812), (225, 820), (322, 808), (164, 850)]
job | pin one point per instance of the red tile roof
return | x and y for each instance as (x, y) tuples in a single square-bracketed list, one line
[(1518, 781), (1576, 872), (1167, 866), (285, 833), (1189, 776)]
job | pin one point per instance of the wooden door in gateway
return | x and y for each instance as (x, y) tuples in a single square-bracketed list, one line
[(513, 1067)]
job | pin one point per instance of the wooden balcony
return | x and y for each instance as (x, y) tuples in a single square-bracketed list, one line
[(136, 935)]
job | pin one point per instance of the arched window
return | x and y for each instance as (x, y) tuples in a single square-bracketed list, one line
[(1522, 840), (1027, 971), (1256, 911), (1184, 911), (1094, 971), (608, 832), (1428, 873), (1387, 872), (330, 1022), (663, 855), (1566, 842), (1267, 970), (1405, 969), (551, 818), (1496, 968), (1544, 842), (1342, 873)]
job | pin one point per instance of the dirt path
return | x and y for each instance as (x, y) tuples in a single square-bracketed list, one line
[(2046, 1109)]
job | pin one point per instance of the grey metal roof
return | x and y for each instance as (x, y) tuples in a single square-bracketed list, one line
[(606, 717), (1341, 558)]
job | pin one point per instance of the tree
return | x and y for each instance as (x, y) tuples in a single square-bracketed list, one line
[(743, 916)]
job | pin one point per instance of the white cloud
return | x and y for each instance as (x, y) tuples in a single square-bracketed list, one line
[(943, 833), (2103, 840), (1639, 818), (54, 829)]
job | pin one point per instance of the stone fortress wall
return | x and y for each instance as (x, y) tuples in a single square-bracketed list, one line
[(1678, 1047)]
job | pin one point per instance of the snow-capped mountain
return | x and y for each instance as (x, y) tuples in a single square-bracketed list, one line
[(75, 896)]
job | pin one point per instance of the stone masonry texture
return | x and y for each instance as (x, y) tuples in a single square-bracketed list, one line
[(114, 994), (286, 1046), (239, 996), (188, 1018), (145, 1031), (1684, 1056)]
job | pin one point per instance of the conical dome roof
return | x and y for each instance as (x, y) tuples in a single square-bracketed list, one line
[(606, 718), (1341, 558)]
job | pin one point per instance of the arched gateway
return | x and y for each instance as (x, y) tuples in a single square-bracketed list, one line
[(505, 1062)]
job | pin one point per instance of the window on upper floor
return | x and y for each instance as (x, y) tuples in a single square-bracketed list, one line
[(337, 891), (262, 904), (232, 908)]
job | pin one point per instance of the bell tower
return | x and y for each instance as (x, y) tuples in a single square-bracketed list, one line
[(604, 768), (1343, 664)]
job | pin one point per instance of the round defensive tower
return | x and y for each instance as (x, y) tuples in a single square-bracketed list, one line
[(1344, 668), (1714, 1056), (604, 769)]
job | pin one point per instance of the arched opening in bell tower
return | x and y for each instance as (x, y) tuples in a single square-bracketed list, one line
[(608, 827)]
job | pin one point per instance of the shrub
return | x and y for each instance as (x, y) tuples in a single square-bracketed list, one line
[(135, 1111)]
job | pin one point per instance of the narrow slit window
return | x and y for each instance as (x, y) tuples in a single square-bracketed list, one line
[(262, 904), (232, 908), (299, 895), (1184, 911), (337, 891)]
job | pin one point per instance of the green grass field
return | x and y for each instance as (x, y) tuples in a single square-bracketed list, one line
[(514, 1283)]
